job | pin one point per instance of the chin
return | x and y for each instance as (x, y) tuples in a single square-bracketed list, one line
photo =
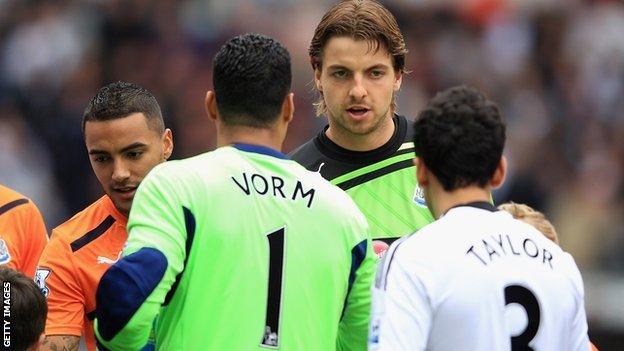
[(123, 207)]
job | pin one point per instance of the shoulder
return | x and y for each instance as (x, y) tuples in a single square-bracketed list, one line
[(334, 199), (7, 195), (96, 216), (307, 154), (170, 175), (11, 201), (427, 236)]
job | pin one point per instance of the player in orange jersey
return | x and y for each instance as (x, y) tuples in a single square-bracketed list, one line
[(23, 234), (125, 138)]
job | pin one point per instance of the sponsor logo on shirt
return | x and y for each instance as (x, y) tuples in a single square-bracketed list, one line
[(40, 279), (320, 166), (419, 196), (106, 260), (5, 257)]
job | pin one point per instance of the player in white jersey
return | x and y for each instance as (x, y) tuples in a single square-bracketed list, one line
[(476, 279)]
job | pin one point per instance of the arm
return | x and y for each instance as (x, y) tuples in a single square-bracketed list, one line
[(56, 279), (60, 343), (26, 238), (579, 323), (132, 291), (35, 238), (353, 328)]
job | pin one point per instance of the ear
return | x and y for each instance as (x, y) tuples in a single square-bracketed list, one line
[(211, 105), (317, 79), (421, 172), (167, 144), (288, 108), (498, 178), (398, 79)]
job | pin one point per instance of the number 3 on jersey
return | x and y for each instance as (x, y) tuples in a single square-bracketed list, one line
[(274, 296), (525, 297)]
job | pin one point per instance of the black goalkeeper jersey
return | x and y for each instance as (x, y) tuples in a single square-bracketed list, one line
[(382, 182)]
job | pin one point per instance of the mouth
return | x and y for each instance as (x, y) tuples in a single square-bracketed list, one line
[(357, 112), (126, 192)]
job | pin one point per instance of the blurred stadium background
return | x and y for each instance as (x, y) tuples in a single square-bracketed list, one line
[(556, 67)]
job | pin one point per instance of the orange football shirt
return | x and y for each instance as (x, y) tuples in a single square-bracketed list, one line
[(23, 234), (79, 252)]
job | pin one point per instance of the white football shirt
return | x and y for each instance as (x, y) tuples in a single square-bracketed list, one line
[(478, 279)]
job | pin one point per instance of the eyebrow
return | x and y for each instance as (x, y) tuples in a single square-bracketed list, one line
[(127, 148), (377, 66)]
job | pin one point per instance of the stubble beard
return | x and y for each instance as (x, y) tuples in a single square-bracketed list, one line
[(348, 128)]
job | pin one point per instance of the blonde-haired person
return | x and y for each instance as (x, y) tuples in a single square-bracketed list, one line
[(533, 217), (538, 220)]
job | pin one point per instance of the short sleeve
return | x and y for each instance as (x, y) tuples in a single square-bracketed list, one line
[(56, 279), (34, 238)]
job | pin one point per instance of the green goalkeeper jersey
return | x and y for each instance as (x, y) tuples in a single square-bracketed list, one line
[(382, 182), (239, 249)]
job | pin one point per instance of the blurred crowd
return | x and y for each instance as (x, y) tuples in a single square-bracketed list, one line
[(556, 68)]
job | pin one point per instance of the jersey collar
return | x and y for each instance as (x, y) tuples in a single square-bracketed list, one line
[(338, 153), (259, 149), (483, 205), (119, 217)]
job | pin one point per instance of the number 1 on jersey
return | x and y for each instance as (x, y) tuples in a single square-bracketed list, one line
[(274, 296)]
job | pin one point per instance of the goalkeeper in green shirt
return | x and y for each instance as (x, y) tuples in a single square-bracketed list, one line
[(241, 248), (358, 56)]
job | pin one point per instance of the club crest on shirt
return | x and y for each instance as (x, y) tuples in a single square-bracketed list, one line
[(5, 257), (40, 279), (419, 196)]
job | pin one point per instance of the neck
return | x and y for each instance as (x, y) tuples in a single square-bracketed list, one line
[(374, 139), (445, 200), (269, 137)]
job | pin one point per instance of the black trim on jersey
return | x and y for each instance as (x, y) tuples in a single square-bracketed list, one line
[(92, 234), (404, 151), (91, 315), (374, 174), (322, 155), (484, 205), (12, 205), (387, 150), (358, 254), (189, 223)]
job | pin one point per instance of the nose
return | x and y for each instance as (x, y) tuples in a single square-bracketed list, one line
[(358, 90), (121, 172)]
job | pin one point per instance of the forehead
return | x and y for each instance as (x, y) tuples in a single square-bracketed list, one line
[(349, 52), (117, 133)]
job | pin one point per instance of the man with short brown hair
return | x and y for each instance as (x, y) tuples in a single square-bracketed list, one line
[(358, 56), (125, 138)]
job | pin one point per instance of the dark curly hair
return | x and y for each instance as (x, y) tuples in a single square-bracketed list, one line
[(251, 76), (460, 137)]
